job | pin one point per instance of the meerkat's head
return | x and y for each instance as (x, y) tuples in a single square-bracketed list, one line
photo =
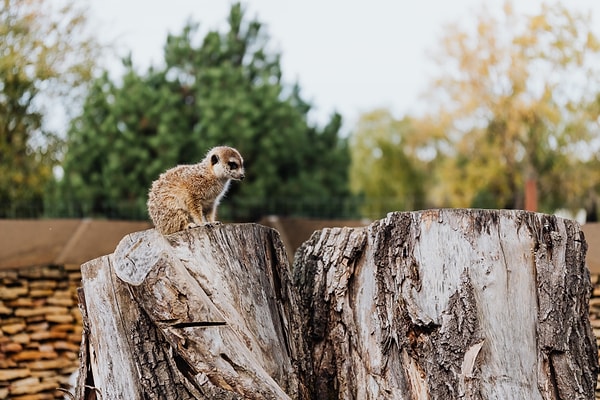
[(226, 163)]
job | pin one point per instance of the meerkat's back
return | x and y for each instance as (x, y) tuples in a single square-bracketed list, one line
[(188, 195)]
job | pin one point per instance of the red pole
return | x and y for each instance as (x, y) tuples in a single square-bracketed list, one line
[(531, 200)]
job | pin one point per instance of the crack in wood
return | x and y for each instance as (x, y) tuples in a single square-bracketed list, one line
[(199, 324)]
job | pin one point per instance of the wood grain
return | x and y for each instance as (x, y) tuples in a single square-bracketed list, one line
[(437, 304)]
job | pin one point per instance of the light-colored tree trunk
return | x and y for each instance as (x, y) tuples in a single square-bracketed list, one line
[(439, 304), (199, 314), (449, 304)]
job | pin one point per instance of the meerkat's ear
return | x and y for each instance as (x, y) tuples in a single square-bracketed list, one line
[(214, 159)]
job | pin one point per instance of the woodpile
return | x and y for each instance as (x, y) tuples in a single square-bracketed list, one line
[(40, 331)]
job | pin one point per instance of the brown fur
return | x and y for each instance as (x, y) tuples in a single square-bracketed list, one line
[(188, 195)]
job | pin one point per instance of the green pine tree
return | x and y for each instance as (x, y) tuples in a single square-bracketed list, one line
[(226, 90)]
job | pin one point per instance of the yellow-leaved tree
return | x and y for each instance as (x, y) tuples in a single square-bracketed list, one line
[(46, 53), (514, 102)]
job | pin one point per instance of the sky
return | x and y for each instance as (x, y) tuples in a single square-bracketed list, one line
[(348, 56)]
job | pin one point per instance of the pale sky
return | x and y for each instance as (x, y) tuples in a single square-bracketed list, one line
[(347, 55)]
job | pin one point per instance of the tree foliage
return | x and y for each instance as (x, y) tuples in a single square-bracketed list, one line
[(44, 53), (223, 88), (390, 163), (515, 101)]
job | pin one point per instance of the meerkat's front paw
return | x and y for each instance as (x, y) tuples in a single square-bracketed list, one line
[(192, 225)]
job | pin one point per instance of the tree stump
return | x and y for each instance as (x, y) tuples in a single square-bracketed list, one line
[(438, 304), (203, 313)]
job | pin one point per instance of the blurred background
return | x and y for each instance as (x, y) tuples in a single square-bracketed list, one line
[(341, 109)]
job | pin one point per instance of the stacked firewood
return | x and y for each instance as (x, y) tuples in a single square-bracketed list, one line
[(40, 331)]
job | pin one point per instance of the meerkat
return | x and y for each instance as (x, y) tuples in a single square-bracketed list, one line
[(188, 195)]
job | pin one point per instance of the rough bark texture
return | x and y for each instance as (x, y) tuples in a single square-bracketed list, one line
[(200, 314), (439, 304), (448, 304)]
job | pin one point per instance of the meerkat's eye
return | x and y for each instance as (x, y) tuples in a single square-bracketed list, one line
[(232, 165)]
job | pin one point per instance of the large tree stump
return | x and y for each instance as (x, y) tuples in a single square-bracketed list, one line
[(439, 304), (448, 304), (200, 314)]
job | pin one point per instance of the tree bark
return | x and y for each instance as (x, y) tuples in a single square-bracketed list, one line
[(204, 313), (438, 304), (447, 304)]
